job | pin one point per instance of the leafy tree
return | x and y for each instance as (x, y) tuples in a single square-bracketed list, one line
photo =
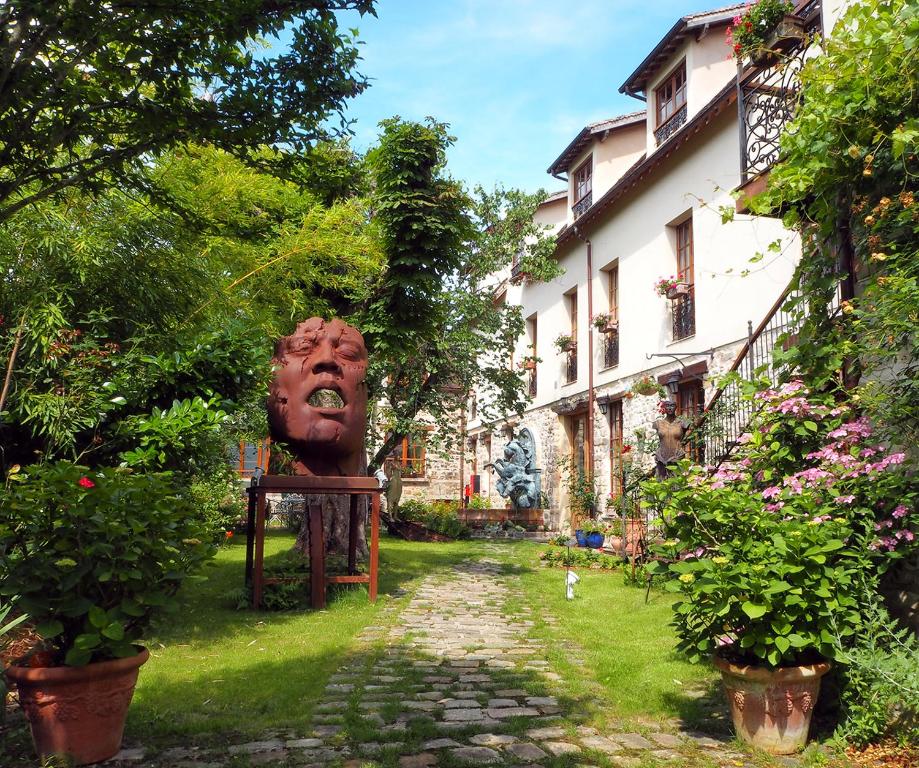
[(139, 331), (848, 182), (434, 327), (89, 89)]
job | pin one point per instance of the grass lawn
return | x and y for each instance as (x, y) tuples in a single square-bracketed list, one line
[(219, 674), (625, 647), (217, 670)]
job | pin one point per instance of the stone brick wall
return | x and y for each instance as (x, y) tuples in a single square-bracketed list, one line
[(440, 481)]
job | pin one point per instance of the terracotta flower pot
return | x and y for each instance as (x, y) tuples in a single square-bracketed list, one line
[(771, 708), (78, 711)]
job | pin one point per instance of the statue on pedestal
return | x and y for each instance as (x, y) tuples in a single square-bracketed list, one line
[(317, 409), (671, 432), (317, 401)]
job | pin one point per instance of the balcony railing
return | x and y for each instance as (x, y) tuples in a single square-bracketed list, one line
[(517, 273), (671, 126), (571, 365), (611, 349), (683, 312), (532, 383), (581, 206), (768, 92), (728, 413)]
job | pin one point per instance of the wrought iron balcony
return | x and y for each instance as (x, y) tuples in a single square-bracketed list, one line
[(683, 311), (571, 365), (611, 349), (581, 206), (532, 383), (768, 90), (671, 126), (517, 273)]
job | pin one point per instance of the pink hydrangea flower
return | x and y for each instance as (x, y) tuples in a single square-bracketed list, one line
[(771, 492), (845, 499), (900, 511)]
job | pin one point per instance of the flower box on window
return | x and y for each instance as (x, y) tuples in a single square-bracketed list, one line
[(677, 290), (606, 323), (565, 343)]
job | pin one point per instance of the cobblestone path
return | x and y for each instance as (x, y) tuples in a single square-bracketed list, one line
[(455, 680)]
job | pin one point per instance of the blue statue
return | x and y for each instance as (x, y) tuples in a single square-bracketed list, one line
[(518, 477)]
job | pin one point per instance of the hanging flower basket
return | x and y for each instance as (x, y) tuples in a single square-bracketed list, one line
[(529, 362), (763, 30), (565, 343), (606, 323), (677, 290), (666, 285), (646, 386)]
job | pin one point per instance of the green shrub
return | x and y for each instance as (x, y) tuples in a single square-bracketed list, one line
[(770, 553), (439, 517), (477, 501), (880, 694), (95, 554), (220, 503), (578, 558)]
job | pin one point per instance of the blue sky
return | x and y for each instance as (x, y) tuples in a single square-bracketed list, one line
[(515, 79)]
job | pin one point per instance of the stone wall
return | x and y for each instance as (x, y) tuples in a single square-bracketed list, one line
[(553, 444), (440, 481)]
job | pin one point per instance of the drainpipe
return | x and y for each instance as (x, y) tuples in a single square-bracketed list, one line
[(590, 354), (462, 452)]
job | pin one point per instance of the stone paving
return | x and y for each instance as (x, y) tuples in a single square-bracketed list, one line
[(455, 680)]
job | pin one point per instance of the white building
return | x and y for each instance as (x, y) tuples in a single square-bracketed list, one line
[(644, 198)]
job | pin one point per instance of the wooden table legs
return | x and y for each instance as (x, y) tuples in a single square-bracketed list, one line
[(255, 538), (317, 557)]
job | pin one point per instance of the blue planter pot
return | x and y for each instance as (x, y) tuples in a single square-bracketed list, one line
[(595, 540), (581, 538)]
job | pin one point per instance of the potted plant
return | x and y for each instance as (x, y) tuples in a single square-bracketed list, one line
[(671, 287), (605, 322), (529, 362), (776, 554), (647, 386), (6, 626), (594, 533), (565, 342), (761, 27), (93, 555)]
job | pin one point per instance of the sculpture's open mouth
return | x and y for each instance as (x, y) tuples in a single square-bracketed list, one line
[(326, 398)]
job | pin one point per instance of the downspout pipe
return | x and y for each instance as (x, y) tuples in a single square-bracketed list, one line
[(591, 395)]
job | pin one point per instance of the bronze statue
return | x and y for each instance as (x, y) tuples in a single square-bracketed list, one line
[(671, 433), (317, 402)]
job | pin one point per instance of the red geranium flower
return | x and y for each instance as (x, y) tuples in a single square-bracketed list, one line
[(85, 482), (229, 534), (626, 448)]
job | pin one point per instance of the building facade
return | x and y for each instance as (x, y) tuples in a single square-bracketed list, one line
[(644, 199)]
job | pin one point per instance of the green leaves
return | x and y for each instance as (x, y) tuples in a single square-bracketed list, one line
[(136, 529), (753, 610), (138, 81)]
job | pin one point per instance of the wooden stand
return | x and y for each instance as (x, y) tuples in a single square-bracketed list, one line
[(352, 487)]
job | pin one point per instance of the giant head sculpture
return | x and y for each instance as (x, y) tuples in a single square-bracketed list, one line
[(317, 402)]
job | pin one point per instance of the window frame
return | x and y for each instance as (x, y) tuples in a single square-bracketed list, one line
[(587, 166), (679, 91)]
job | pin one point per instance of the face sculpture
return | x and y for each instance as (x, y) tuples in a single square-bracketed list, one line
[(317, 403)]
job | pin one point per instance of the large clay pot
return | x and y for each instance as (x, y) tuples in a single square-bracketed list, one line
[(771, 708), (78, 711)]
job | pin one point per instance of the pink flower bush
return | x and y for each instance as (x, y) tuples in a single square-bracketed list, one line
[(810, 498)]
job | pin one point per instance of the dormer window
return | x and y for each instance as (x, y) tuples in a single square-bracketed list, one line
[(583, 188), (670, 101)]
